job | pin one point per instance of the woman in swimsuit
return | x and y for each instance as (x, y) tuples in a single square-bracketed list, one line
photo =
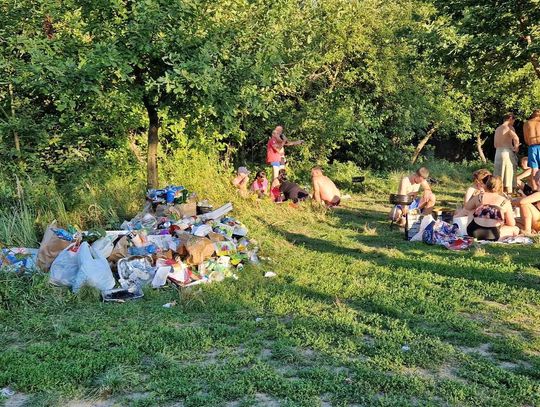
[(493, 218)]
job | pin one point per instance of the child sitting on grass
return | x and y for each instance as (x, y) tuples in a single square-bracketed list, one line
[(260, 185), (241, 181)]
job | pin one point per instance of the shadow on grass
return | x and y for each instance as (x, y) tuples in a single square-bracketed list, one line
[(483, 274), (410, 259)]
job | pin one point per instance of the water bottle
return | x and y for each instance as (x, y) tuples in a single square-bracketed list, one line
[(63, 234)]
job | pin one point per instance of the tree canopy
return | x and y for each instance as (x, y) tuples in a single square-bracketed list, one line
[(358, 80)]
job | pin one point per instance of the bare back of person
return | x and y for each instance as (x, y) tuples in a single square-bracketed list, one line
[(328, 190), (503, 136), (531, 131)]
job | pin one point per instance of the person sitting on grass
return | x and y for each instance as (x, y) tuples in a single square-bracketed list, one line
[(493, 218), (524, 178), (474, 190), (288, 191), (530, 213), (410, 185), (324, 189), (478, 185), (241, 181), (260, 185)]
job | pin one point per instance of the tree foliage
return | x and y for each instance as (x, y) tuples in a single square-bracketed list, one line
[(358, 80)]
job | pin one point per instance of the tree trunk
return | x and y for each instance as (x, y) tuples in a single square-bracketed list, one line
[(422, 143), (153, 142), (16, 139), (479, 144)]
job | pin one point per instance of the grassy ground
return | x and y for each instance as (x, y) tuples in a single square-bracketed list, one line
[(355, 316)]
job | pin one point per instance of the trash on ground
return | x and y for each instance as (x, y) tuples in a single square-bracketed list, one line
[(122, 294), (18, 258), (175, 240), (270, 274), (510, 240), (169, 304), (94, 270), (7, 392)]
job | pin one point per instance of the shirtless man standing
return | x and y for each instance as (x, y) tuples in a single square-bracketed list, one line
[(531, 131), (506, 145), (324, 189)]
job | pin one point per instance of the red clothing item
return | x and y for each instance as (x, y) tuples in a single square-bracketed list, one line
[(260, 186), (276, 194), (273, 151)]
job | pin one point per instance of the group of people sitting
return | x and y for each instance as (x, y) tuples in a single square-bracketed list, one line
[(324, 191), (488, 203), (488, 188), (490, 212)]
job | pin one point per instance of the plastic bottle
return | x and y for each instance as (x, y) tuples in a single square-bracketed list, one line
[(63, 234), (143, 250)]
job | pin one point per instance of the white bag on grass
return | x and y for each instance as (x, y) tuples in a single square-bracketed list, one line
[(426, 220), (104, 246), (94, 270), (462, 222), (65, 267)]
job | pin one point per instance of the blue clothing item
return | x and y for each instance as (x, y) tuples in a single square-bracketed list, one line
[(415, 204), (275, 164), (533, 155)]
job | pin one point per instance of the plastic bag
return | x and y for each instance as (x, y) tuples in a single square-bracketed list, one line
[(50, 246), (104, 246), (428, 236), (94, 270), (65, 267), (135, 271), (18, 258), (426, 221)]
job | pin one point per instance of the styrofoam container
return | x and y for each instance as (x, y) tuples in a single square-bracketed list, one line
[(462, 222)]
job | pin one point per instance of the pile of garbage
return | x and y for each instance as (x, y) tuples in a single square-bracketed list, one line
[(174, 240)]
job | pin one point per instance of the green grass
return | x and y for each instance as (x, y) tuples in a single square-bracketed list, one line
[(330, 329)]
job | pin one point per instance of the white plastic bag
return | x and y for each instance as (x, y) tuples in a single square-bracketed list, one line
[(423, 225), (160, 278), (94, 270), (65, 267), (104, 246)]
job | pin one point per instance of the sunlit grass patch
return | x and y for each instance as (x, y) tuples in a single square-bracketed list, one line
[(368, 230)]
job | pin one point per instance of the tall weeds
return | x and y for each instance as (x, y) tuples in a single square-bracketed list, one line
[(17, 226)]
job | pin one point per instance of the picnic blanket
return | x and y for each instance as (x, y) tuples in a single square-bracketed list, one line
[(509, 240), (438, 232), (433, 231)]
